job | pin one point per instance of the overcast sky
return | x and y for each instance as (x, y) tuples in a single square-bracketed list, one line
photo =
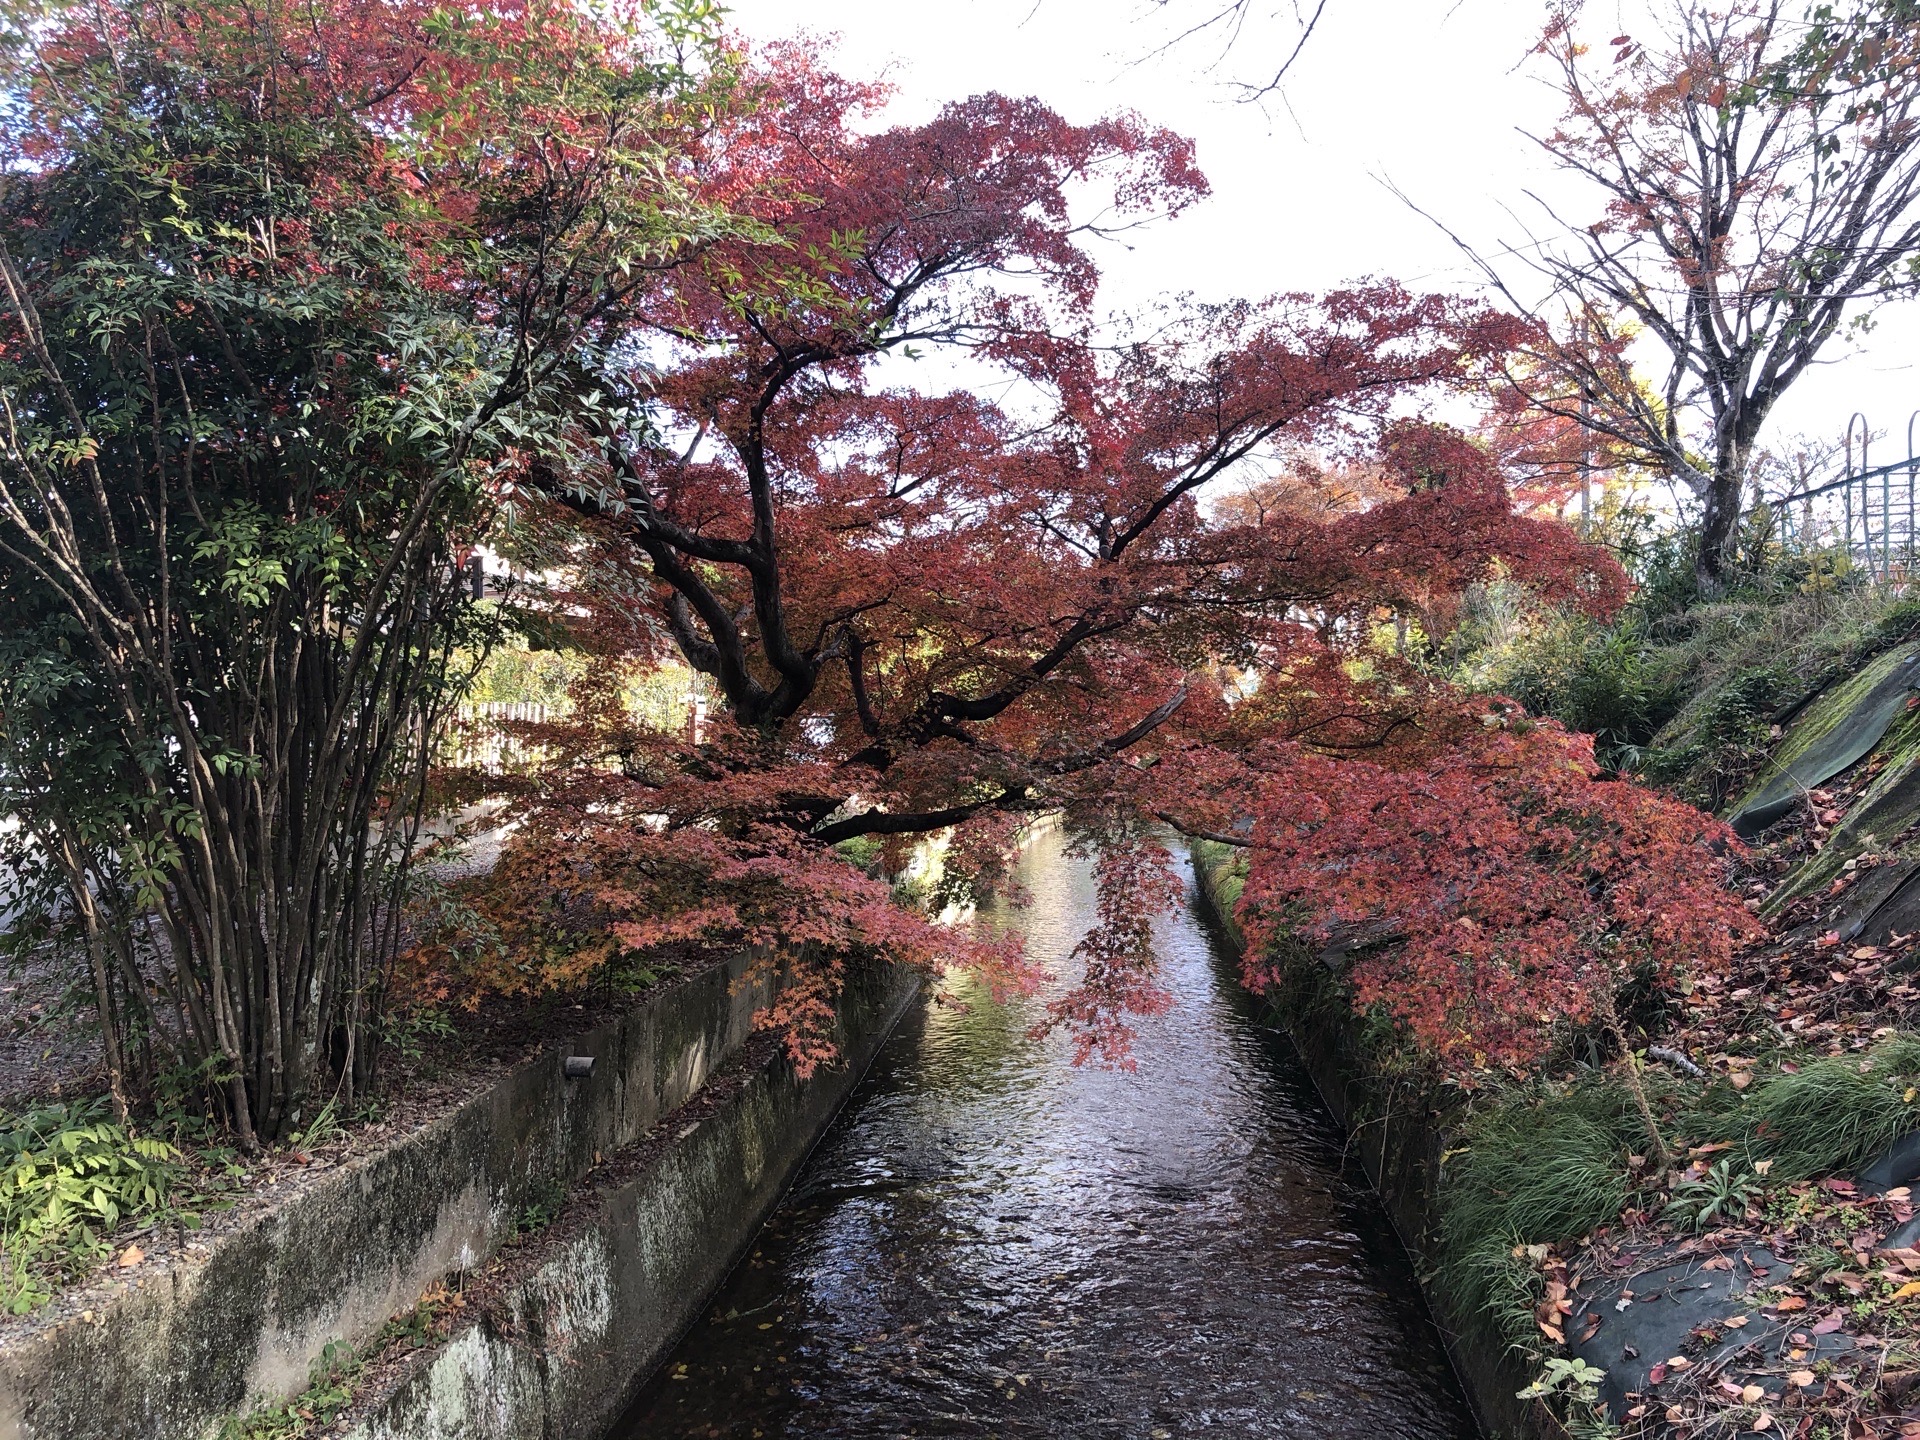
[(1429, 96)]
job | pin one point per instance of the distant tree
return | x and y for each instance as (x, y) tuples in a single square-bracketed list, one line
[(1757, 198)]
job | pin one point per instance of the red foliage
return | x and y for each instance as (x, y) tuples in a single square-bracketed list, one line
[(932, 610), (1508, 889)]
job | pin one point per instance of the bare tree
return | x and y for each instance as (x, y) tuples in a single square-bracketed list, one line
[(1226, 23), (1757, 200)]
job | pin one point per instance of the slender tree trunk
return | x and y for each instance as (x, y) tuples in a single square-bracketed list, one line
[(1630, 1074)]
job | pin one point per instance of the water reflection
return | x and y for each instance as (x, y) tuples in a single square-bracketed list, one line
[(994, 1242)]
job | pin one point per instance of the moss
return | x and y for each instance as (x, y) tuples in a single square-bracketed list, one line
[(1835, 730), (1744, 666), (1875, 822)]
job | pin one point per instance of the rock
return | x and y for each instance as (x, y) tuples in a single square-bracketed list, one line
[(1898, 1164), (1832, 734)]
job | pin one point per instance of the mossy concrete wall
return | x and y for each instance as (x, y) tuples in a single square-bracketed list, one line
[(165, 1356), (1399, 1142), (576, 1338)]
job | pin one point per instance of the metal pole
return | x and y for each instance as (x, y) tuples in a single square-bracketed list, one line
[(1586, 441), (1866, 527), (1913, 469)]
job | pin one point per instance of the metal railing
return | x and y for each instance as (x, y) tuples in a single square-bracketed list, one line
[(1870, 511)]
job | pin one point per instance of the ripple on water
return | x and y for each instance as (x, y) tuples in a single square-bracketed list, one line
[(992, 1241)]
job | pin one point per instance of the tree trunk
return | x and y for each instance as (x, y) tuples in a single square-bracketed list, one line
[(1720, 517)]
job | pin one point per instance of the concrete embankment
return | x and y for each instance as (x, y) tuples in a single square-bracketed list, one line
[(242, 1314), (1399, 1140), (564, 1341)]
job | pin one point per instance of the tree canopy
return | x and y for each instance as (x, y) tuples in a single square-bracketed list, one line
[(948, 608)]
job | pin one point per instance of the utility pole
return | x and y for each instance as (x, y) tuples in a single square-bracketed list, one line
[(1586, 443)]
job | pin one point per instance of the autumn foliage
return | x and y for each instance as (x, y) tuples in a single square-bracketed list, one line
[(663, 332), (1104, 578), (1493, 885)]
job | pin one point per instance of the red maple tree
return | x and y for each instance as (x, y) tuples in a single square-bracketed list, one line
[(945, 608), (1493, 886)]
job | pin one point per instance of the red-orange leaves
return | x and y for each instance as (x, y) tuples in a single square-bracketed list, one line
[(1502, 887)]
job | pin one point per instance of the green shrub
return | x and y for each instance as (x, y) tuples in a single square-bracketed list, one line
[(1591, 677), (68, 1176)]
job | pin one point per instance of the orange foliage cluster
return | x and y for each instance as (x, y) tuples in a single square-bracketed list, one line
[(1500, 887)]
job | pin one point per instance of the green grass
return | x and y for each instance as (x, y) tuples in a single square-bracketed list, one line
[(1538, 1168), (1832, 1116), (1547, 1165)]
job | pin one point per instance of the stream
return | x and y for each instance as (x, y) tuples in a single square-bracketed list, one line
[(992, 1241)]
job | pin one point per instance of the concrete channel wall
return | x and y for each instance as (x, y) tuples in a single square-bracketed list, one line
[(245, 1314), (573, 1340), (1399, 1146)]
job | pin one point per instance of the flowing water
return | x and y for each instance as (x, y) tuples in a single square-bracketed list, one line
[(992, 1241)]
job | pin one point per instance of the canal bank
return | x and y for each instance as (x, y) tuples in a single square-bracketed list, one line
[(670, 1149), (562, 1329), (994, 1241)]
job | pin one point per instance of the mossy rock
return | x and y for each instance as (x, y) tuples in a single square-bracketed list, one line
[(1874, 823), (1833, 733)]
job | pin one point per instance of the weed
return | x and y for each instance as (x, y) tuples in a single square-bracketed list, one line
[(1574, 1388), (1722, 1194), (541, 1208), (329, 1391), (324, 1129)]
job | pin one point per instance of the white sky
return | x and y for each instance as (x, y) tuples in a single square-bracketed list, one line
[(1426, 94)]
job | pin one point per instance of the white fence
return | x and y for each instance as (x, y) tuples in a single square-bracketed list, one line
[(485, 736)]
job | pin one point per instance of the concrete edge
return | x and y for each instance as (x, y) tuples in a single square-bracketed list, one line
[(239, 1317), (1400, 1154), (572, 1336)]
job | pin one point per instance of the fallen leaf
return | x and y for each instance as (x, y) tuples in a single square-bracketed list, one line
[(1791, 1303), (131, 1256), (1658, 1374), (1912, 1287), (1763, 1422), (1734, 1322), (1752, 1394), (1827, 1325), (1800, 1378), (1740, 1079)]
